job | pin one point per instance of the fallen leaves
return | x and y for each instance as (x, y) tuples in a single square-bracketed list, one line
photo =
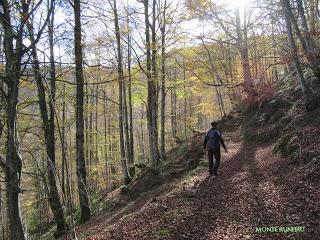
[(254, 188)]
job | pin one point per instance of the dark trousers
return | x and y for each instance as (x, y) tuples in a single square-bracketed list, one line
[(213, 168)]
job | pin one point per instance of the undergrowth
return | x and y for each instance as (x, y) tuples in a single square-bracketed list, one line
[(285, 121)]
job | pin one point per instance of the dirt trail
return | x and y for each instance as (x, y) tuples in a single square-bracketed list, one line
[(255, 188)]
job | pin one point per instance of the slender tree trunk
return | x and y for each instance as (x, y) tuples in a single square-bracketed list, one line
[(126, 123), (242, 42), (218, 101), (62, 222), (81, 165), (90, 160), (313, 15), (63, 142), (141, 139), (2, 232), (154, 74), (70, 203), (163, 85), (125, 171), (13, 164), (86, 129), (185, 98), (96, 125), (48, 127), (152, 89), (106, 156), (292, 45), (174, 112), (131, 142), (310, 51), (109, 140)]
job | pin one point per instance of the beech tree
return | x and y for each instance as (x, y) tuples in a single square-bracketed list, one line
[(13, 20), (292, 44), (48, 119), (81, 165), (124, 164), (151, 74)]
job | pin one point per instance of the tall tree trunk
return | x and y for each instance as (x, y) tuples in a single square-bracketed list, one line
[(163, 84), (218, 101), (152, 104), (242, 42), (13, 163), (141, 139), (174, 124), (60, 218), (96, 125), (2, 223), (48, 127), (125, 171), (81, 165), (106, 127), (110, 144), (12, 168), (155, 91), (126, 123), (185, 98), (292, 45), (86, 128), (63, 141), (313, 15), (90, 160), (310, 51), (131, 142)]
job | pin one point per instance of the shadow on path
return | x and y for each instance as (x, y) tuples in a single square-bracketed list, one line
[(251, 191)]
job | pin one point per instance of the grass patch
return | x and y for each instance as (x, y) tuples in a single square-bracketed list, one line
[(163, 232)]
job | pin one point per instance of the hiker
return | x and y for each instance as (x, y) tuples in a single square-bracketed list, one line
[(212, 143)]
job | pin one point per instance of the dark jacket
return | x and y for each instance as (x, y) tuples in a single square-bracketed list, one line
[(213, 140)]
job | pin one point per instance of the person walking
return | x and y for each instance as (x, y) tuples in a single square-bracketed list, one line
[(212, 143)]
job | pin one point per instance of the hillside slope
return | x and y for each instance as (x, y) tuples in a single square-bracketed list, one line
[(269, 178), (255, 188)]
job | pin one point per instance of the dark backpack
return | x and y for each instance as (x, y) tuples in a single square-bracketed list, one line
[(213, 137)]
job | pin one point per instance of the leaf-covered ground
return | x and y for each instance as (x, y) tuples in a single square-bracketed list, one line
[(255, 188)]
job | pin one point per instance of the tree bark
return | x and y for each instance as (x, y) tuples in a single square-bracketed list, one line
[(124, 165), (63, 142), (242, 42), (292, 45), (13, 167), (106, 127), (13, 164), (174, 113), (131, 142), (163, 84), (310, 51), (126, 123), (152, 90), (49, 136), (81, 165)]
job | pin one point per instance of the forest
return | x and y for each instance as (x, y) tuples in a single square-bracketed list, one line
[(104, 106)]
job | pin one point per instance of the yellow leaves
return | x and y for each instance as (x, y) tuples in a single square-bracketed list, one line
[(27, 84), (206, 108)]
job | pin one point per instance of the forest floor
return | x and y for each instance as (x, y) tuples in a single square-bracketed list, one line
[(255, 188)]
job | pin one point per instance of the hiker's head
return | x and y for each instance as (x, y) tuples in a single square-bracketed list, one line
[(214, 124)]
